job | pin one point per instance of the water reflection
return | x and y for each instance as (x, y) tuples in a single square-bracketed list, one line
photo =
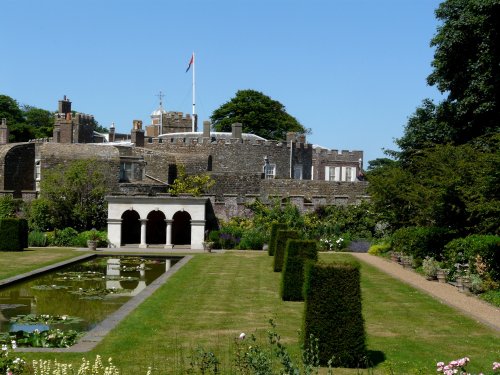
[(90, 290)]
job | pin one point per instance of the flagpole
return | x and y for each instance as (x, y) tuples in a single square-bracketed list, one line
[(194, 93)]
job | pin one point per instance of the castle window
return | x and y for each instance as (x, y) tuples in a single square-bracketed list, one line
[(125, 172), (349, 174), (297, 172), (209, 166), (332, 173), (270, 171), (38, 174)]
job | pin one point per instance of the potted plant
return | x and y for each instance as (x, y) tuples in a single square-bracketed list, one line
[(430, 266), (441, 275), (93, 239)]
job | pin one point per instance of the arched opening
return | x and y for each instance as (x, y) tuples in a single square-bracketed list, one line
[(181, 228), (156, 228), (131, 228)]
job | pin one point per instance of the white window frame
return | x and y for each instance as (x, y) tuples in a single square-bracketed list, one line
[(269, 171)]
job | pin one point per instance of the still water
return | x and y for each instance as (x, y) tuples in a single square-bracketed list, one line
[(80, 295)]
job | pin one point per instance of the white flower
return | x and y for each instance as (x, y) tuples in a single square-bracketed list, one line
[(242, 336)]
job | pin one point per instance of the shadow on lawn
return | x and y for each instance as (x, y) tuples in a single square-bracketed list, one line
[(375, 357)]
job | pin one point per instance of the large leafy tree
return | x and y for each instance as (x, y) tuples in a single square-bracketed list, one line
[(41, 120), (75, 194), (446, 173), (467, 65), (466, 69), (258, 113)]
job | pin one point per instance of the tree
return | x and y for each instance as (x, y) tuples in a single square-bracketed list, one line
[(76, 194), (41, 120), (259, 115), (9, 109), (467, 65), (194, 184)]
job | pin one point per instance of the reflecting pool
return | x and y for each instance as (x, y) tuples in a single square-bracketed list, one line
[(77, 296)]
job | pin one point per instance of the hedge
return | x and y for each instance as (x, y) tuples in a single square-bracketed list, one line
[(481, 252), (333, 314), (272, 240), (279, 252), (13, 234), (292, 277), (421, 241)]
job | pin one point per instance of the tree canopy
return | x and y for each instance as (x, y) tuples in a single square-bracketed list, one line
[(28, 122), (259, 115), (74, 194), (446, 173)]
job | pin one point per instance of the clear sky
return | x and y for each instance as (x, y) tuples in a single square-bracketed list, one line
[(351, 70)]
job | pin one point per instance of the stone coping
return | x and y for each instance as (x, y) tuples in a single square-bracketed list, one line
[(93, 337)]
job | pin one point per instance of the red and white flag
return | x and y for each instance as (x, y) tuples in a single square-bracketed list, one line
[(190, 63)]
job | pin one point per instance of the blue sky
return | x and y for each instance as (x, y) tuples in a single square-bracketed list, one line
[(351, 70)]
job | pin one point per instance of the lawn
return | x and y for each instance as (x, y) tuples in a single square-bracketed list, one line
[(216, 296)]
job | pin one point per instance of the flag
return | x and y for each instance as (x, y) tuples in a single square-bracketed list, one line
[(190, 62)]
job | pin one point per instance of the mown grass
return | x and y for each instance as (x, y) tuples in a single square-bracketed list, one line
[(13, 263), (216, 296)]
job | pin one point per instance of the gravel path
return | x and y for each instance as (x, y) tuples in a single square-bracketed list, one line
[(446, 293)]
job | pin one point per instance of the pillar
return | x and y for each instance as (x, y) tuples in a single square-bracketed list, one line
[(143, 243), (115, 232), (197, 234), (168, 241)]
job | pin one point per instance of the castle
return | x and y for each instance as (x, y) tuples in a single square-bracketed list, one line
[(245, 167)]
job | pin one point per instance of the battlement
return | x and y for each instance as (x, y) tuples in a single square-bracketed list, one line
[(346, 153), (78, 118), (177, 115), (192, 139)]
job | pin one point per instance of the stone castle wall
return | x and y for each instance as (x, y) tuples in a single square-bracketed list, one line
[(237, 156), (17, 168)]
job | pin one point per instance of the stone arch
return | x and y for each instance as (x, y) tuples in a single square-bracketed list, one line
[(131, 228), (156, 228), (181, 228)]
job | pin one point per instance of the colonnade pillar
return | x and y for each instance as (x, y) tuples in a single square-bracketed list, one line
[(143, 243), (168, 240)]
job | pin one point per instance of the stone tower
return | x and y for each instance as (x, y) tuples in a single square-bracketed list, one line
[(4, 132)]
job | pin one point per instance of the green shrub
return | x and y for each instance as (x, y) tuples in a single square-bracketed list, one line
[(214, 236), (481, 252), (37, 238), (279, 253), (421, 242), (39, 215), (252, 239), (292, 276), (65, 237), (333, 314), (9, 206), (379, 249), (13, 234), (272, 239), (82, 238), (230, 236)]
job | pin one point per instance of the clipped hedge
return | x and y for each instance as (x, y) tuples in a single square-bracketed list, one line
[(333, 314), (279, 252), (421, 241), (292, 277), (13, 234), (481, 252), (275, 227)]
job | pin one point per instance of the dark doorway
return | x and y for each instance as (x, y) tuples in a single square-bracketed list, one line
[(181, 228), (156, 228), (131, 228)]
